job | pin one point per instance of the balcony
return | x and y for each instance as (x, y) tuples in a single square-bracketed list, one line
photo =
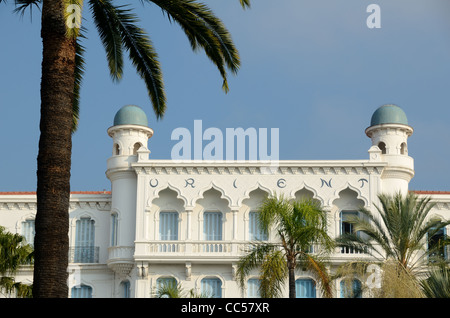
[(189, 250), (120, 259), (219, 251)]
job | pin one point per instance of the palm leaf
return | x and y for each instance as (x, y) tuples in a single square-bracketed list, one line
[(252, 259), (273, 274), (23, 5), (437, 283), (79, 72), (205, 30), (105, 22), (141, 53), (245, 3), (317, 266)]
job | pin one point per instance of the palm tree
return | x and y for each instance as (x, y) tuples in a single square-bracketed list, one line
[(13, 253), (62, 71), (398, 232), (299, 226)]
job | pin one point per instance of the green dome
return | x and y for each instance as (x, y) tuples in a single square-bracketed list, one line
[(131, 115), (389, 114)]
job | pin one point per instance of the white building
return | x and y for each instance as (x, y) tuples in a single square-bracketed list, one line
[(189, 221)]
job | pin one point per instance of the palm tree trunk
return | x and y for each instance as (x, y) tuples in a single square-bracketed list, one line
[(54, 157), (291, 270)]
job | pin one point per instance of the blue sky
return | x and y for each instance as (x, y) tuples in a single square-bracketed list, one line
[(313, 69)]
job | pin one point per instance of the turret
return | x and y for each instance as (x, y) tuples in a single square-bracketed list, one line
[(389, 131), (130, 133)]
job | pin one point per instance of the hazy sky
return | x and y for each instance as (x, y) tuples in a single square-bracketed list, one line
[(311, 68)]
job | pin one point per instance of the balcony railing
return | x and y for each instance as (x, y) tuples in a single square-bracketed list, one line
[(190, 247), (353, 250), (84, 254)]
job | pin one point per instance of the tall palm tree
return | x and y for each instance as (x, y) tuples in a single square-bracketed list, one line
[(398, 231), (299, 225), (13, 252), (62, 70)]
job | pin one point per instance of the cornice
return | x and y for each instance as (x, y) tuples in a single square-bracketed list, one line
[(170, 167), (99, 200)]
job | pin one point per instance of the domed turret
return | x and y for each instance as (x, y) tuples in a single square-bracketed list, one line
[(131, 115), (130, 134), (389, 131), (130, 131), (389, 114)]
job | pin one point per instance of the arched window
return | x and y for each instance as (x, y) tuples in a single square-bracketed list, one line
[(211, 287), (168, 226), (82, 291), (84, 241), (114, 228), (253, 288), (28, 231), (351, 288), (347, 227), (305, 288), (382, 147), (436, 247), (116, 150), (165, 284), (125, 289), (403, 149), (212, 226), (136, 147), (255, 230)]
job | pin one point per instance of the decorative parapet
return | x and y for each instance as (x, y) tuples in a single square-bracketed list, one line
[(205, 167), (236, 179)]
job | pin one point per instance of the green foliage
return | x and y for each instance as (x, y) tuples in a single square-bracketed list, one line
[(397, 236), (299, 225), (204, 30), (13, 253), (118, 30), (437, 282), (172, 289), (399, 230)]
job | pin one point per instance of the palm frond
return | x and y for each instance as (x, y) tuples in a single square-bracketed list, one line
[(252, 259), (273, 274), (437, 283), (399, 230), (317, 266), (78, 74), (141, 53), (245, 3), (169, 290), (23, 5), (204, 30), (105, 22)]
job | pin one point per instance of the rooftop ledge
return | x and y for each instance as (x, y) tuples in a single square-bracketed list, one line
[(260, 167), (260, 163)]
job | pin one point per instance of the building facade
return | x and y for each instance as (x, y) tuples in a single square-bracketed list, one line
[(190, 221)]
